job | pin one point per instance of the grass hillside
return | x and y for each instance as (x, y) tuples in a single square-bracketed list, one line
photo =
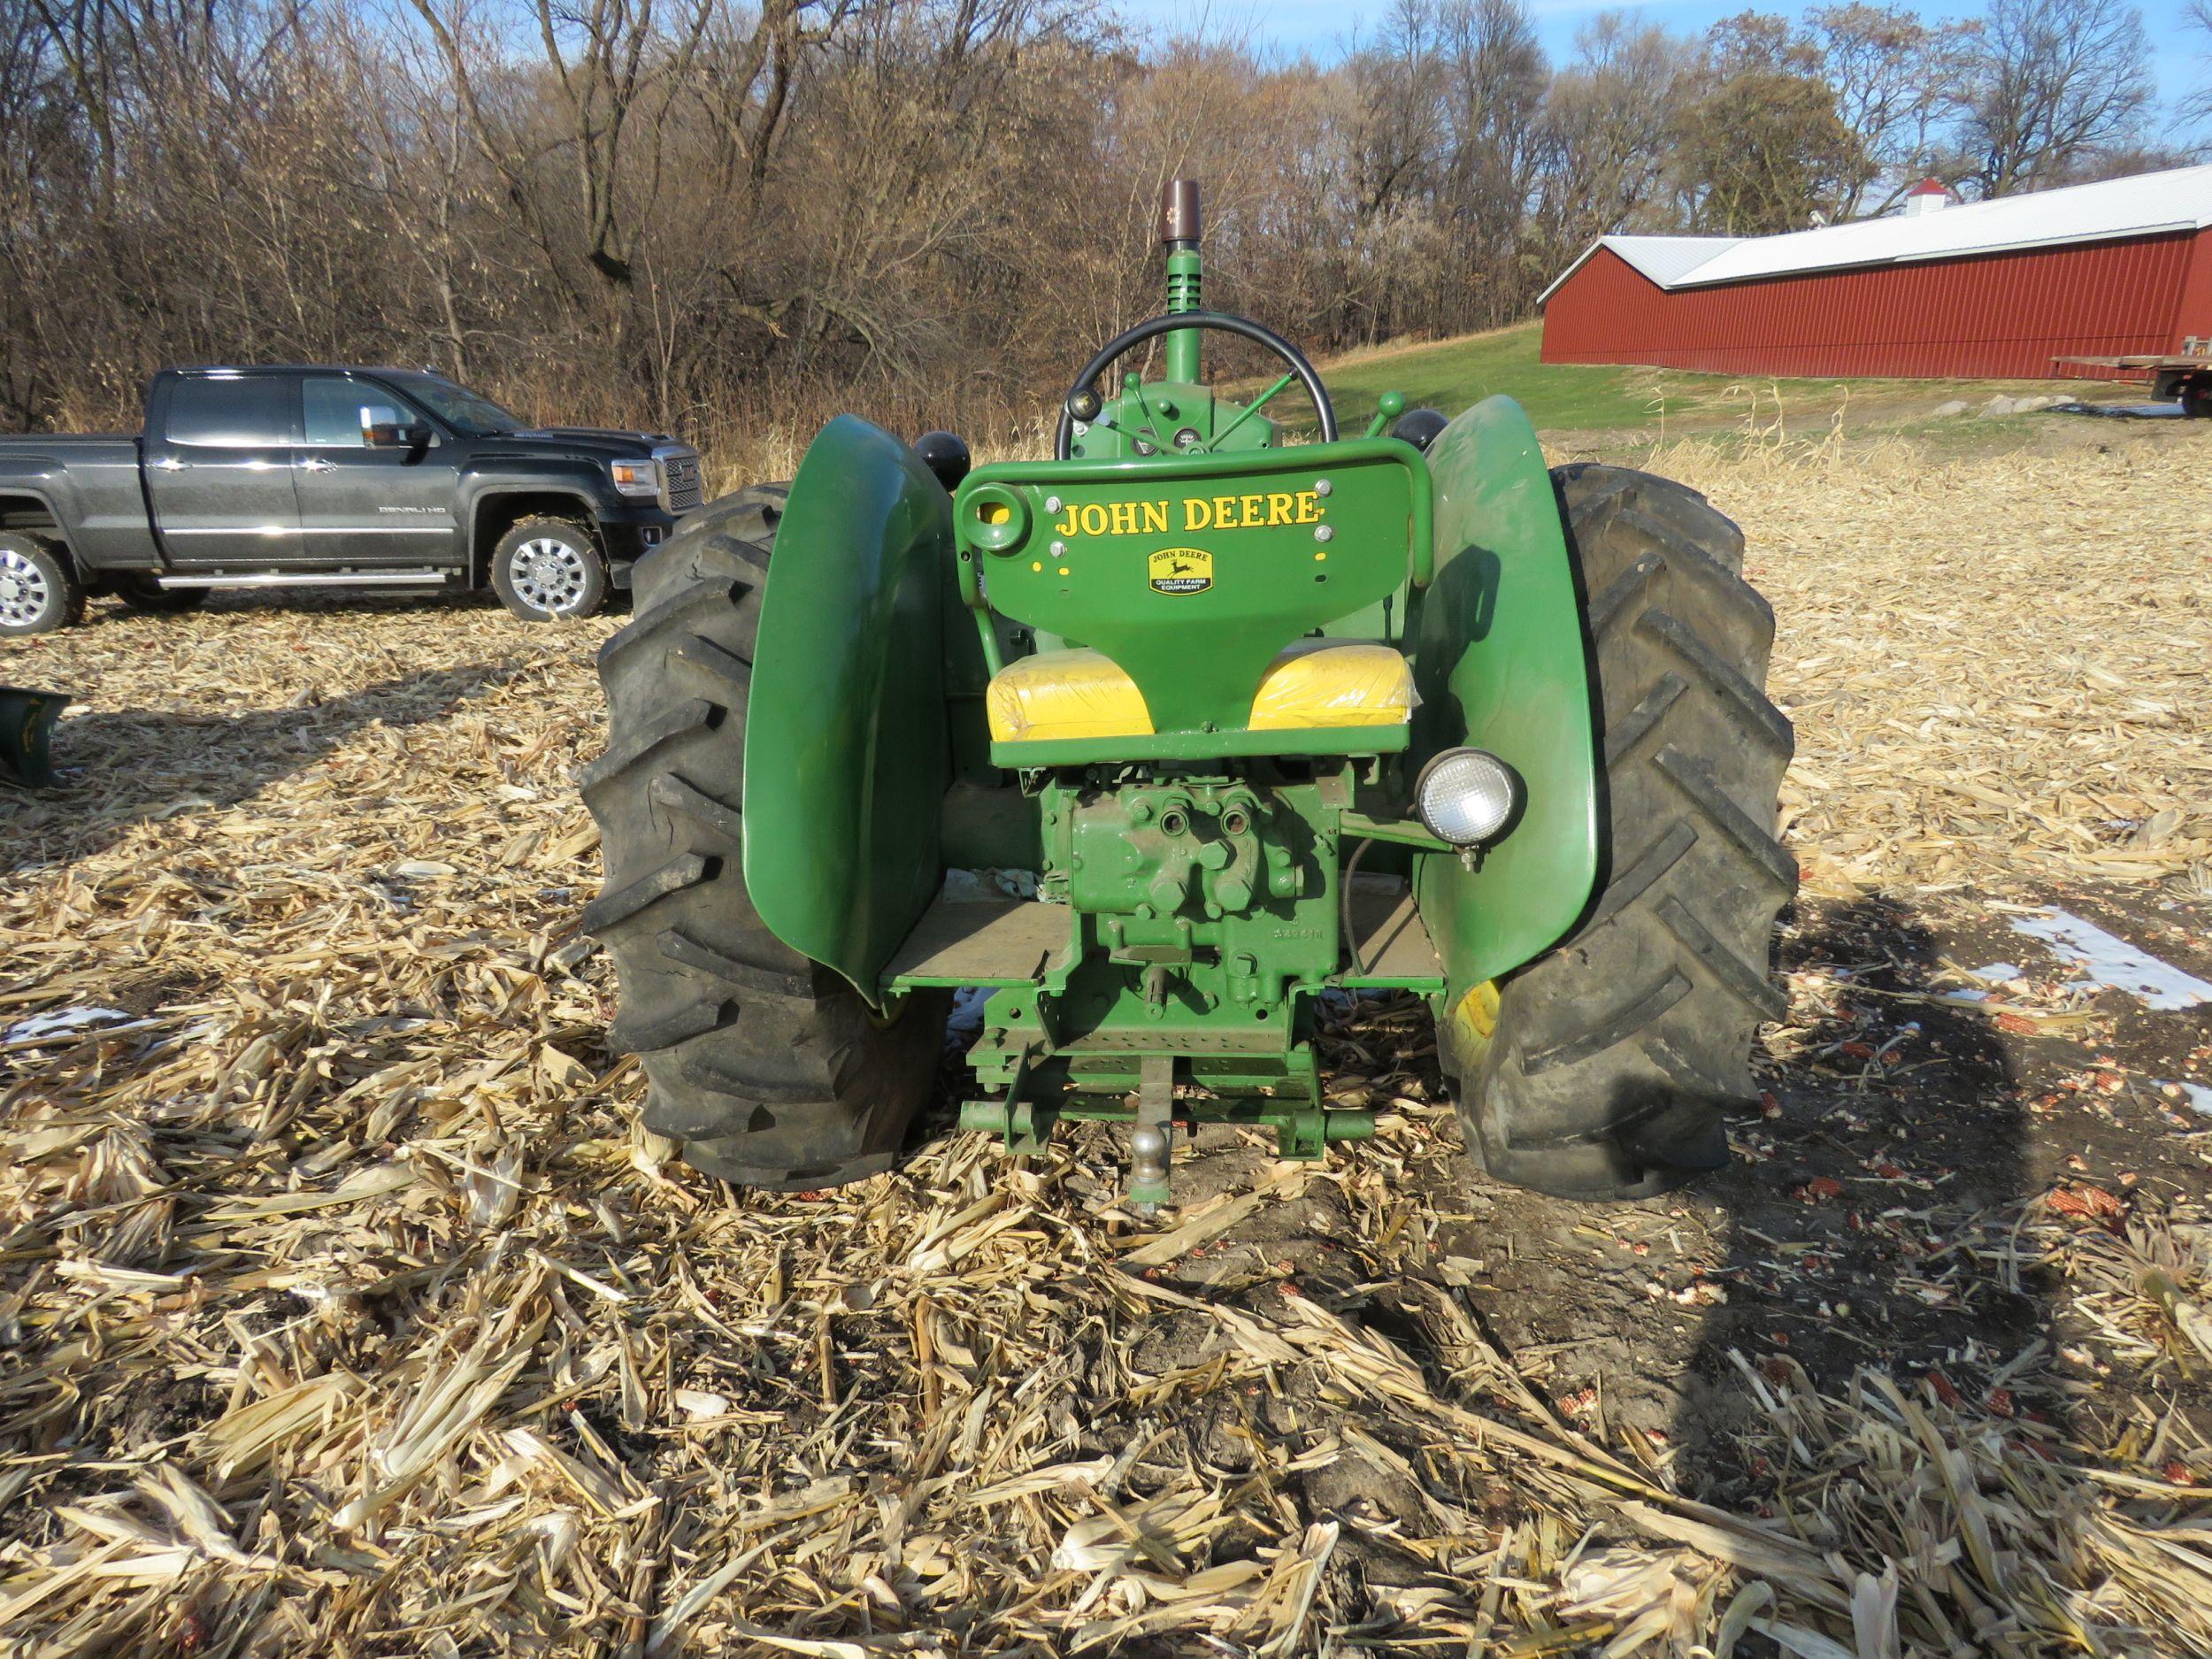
[(1451, 374)]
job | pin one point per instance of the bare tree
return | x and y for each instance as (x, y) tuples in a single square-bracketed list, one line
[(609, 65), (732, 217), (1495, 80), (2055, 82), (1897, 80), (1610, 130), (2195, 105)]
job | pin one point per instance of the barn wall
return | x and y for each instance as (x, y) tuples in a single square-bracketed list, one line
[(2193, 314), (1998, 315)]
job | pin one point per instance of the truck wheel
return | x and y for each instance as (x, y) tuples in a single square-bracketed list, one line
[(39, 589), (1612, 1056), (143, 593), (770, 1068), (549, 569)]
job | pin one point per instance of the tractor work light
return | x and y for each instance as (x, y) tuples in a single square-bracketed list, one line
[(1466, 796)]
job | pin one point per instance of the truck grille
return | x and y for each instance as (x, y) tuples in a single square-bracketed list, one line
[(680, 487)]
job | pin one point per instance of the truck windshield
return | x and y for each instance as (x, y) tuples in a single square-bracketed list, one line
[(470, 414)]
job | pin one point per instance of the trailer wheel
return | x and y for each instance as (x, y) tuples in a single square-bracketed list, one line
[(1612, 1056), (2196, 397), (143, 593), (770, 1068), (39, 589)]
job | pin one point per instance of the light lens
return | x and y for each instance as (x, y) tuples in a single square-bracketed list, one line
[(634, 478), (1466, 795)]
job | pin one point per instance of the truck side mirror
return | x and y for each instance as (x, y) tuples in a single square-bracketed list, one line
[(381, 428)]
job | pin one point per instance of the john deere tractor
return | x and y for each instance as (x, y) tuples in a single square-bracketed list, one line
[(1161, 740)]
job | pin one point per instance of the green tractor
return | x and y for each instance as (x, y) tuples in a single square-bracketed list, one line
[(1158, 741)]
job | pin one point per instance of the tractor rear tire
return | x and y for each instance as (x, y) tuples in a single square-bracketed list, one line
[(1614, 1055), (770, 1068)]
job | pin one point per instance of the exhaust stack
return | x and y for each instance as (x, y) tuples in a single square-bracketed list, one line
[(1179, 235)]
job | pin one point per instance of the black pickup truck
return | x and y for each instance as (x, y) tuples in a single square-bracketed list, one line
[(329, 477)]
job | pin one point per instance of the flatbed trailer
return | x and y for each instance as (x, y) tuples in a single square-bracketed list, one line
[(2186, 374)]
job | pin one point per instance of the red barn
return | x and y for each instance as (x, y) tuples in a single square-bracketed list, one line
[(1990, 288)]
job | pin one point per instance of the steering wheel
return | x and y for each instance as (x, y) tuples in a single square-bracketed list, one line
[(1084, 394)]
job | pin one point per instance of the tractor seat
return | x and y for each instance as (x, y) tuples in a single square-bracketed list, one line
[(1083, 695)]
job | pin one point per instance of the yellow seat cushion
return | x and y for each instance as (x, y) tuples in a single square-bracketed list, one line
[(1084, 694)]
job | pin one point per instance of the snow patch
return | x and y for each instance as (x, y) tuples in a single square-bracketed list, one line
[(2110, 961), (60, 1022)]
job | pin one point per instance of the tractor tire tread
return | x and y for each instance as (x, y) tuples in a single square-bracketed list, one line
[(1759, 718), (1614, 1054), (672, 792), (734, 972), (1687, 511), (611, 911), (770, 1069), (642, 632), (1695, 778), (645, 741)]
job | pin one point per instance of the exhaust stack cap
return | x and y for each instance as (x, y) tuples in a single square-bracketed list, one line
[(1179, 212)]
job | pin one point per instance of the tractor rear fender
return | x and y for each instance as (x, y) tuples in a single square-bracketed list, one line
[(1502, 661), (846, 759)]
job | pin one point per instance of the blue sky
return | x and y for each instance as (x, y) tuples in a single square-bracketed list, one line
[(1323, 27)]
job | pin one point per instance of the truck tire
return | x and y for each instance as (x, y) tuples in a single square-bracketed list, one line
[(143, 593), (39, 589), (770, 1068), (1613, 1056), (549, 570)]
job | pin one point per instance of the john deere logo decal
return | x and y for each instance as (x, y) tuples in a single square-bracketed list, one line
[(1181, 569)]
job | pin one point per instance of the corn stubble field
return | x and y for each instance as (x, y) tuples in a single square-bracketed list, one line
[(343, 1311)]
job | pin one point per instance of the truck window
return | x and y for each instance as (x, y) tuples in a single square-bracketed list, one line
[(331, 409), (249, 412)]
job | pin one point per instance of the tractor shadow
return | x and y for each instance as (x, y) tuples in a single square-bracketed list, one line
[(119, 769), (1867, 1219)]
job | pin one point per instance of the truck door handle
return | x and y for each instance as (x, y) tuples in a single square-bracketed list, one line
[(317, 464)]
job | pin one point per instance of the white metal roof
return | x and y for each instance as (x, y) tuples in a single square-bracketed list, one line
[(2149, 203)]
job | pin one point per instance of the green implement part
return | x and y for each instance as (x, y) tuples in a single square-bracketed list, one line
[(1158, 748), (26, 727), (1194, 571), (844, 782), (1500, 666)]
